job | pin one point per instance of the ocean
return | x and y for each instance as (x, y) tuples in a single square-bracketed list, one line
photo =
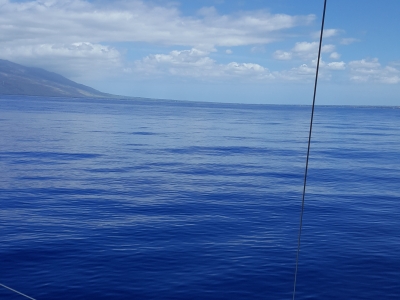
[(121, 199)]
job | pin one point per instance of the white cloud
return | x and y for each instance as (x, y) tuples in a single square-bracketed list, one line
[(197, 64), (68, 21), (314, 63), (336, 65), (75, 58), (301, 73), (71, 36), (334, 55), (372, 71), (365, 65), (80, 50), (303, 50), (246, 69), (327, 33), (348, 41), (306, 72), (282, 55)]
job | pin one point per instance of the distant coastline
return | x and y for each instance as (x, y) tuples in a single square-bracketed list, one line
[(16, 79)]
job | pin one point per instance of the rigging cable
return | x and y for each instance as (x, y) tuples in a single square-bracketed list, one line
[(15, 291), (308, 151)]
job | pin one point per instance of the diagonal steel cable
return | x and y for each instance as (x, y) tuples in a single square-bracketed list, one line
[(15, 291), (308, 151)]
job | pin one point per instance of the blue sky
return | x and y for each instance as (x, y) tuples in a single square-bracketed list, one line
[(213, 50)]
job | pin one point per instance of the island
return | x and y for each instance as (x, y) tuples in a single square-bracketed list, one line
[(16, 79)]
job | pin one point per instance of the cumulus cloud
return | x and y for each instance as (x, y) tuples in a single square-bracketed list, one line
[(303, 50), (68, 21), (372, 71), (67, 34), (348, 41), (282, 55), (390, 76), (310, 50), (74, 36), (327, 33), (336, 65), (80, 50), (75, 57), (301, 73), (197, 64), (249, 69), (365, 66), (306, 72), (334, 55), (362, 71)]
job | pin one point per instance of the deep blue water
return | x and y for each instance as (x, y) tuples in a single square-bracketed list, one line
[(116, 199)]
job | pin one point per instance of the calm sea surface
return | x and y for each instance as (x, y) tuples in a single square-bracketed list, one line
[(116, 199)]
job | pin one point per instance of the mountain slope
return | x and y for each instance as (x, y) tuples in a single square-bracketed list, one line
[(16, 79)]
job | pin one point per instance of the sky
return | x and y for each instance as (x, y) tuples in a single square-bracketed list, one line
[(254, 51)]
